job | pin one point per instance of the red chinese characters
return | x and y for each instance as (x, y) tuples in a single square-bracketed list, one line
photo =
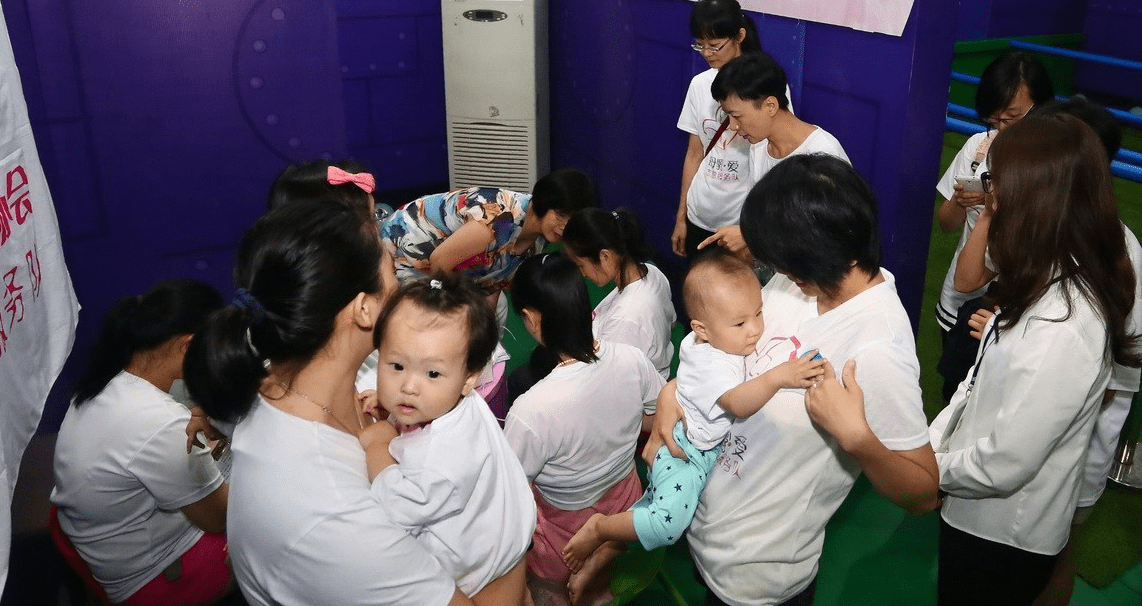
[(15, 203)]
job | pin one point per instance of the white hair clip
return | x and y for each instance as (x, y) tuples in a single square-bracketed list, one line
[(435, 284)]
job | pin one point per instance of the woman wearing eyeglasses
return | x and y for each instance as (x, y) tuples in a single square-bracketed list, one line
[(1009, 87), (715, 173), (1011, 446)]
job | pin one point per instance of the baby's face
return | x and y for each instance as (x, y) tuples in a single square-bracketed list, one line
[(733, 318), (421, 373)]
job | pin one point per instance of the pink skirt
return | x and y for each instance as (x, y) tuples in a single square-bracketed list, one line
[(555, 527), (205, 577)]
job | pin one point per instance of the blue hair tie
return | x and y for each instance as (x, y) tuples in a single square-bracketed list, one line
[(244, 300)]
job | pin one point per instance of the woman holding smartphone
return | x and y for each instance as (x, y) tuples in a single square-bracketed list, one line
[(1009, 87)]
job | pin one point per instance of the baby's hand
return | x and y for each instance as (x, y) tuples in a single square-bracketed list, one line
[(802, 372), (371, 406), (377, 435)]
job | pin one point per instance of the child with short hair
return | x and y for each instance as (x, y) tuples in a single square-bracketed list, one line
[(723, 299), (450, 477)]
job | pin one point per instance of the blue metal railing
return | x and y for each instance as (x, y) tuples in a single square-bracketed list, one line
[(1127, 163), (1118, 167), (962, 77), (1073, 54)]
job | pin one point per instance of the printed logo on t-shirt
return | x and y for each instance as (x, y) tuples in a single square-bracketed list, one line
[(732, 454), (710, 127), (769, 353), (721, 169)]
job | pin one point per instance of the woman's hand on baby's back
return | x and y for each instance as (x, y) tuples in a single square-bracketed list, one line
[(667, 414)]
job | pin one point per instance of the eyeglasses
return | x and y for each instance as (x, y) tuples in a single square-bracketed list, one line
[(986, 182), (1006, 121), (709, 47)]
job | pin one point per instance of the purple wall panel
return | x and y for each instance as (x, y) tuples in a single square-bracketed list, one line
[(973, 19), (159, 145), (357, 131), (884, 98), (378, 46), (394, 50), (980, 19), (1012, 18), (784, 40), (1112, 29), (619, 73)]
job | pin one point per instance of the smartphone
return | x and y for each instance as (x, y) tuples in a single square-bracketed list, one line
[(971, 183)]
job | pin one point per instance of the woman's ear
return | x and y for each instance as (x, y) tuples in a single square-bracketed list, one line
[(606, 255), (771, 105), (531, 321), (183, 342), (363, 310), (741, 35)]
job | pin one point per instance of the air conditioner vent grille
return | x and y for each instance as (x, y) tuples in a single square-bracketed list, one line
[(486, 153)]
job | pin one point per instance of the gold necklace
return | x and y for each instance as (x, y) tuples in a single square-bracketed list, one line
[(347, 429)]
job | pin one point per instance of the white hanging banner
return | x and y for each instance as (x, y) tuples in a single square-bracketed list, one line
[(879, 16), (38, 308)]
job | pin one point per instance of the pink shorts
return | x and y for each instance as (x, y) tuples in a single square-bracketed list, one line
[(205, 577), (555, 527)]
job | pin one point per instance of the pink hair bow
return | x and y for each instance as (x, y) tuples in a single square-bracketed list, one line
[(365, 181)]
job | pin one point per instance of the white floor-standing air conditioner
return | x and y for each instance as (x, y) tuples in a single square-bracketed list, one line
[(495, 89)]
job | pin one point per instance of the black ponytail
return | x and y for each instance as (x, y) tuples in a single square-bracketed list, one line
[(712, 19), (591, 230), (310, 181), (143, 323), (300, 265), (552, 285)]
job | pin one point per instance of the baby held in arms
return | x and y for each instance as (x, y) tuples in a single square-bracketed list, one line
[(450, 477), (723, 297)]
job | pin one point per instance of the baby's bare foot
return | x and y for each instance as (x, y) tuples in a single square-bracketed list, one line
[(591, 586), (583, 544)]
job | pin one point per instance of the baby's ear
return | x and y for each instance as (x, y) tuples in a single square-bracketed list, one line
[(470, 383), (698, 327)]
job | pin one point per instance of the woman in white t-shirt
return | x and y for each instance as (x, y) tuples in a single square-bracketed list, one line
[(147, 516), (575, 430), (754, 94), (608, 248), (759, 527), (1012, 443), (281, 360), (1009, 87), (715, 171)]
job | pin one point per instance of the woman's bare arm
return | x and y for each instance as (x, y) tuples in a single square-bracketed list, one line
[(209, 512), (971, 271), (508, 590), (909, 478), (690, 166), (470, 240)]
